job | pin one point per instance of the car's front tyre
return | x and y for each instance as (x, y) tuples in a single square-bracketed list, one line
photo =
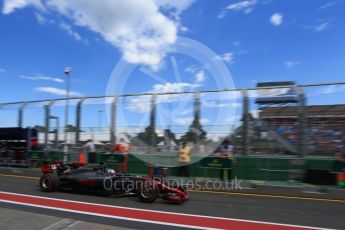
[(147, 191), (49, 182)]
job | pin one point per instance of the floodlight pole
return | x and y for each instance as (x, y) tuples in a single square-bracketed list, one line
[(78, 120), (47, 122)]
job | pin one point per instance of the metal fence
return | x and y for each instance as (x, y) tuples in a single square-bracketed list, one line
[(315, 124)]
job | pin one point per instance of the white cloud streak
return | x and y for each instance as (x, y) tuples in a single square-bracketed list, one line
[(245, 6), (189, 120), (215, 104), (242, 5), (70, 31), (226, 57), (57, 91), (290, 64), (2, 70), (40, 77), (332, 89), (321, 27), (330, 4)]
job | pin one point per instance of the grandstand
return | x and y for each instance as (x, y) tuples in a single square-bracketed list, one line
[(325, 125)]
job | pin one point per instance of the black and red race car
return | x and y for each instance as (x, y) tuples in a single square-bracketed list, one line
[(97, 178)]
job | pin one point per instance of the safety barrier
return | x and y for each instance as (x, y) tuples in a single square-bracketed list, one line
[(36, 158), (266, 168), (13, 158)]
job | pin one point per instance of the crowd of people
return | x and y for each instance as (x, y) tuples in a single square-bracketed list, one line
[(321, 137)]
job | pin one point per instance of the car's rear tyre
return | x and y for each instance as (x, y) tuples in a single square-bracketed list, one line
[(147, 191), (49, 183)]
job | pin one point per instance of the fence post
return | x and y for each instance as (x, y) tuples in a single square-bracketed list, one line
[(47, 121), (152, 128), (21, 114), (196, 123), (77, 120), (245, 120), (301, 141), (113, 121)]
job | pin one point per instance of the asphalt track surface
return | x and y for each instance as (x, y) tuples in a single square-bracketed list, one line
[(283, 210)]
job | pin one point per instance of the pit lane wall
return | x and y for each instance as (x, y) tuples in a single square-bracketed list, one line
[(311, 169)]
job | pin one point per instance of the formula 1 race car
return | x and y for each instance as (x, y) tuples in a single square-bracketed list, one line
[(97, 178)]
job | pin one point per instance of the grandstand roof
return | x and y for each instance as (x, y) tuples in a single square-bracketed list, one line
[(313, 111)]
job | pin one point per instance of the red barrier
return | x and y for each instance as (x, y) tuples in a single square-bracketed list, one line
[(341, 179)]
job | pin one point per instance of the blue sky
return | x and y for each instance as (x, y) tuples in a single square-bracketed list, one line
[(257, 40)]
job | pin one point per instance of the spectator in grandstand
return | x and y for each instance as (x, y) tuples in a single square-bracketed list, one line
[(183, 158), (226, 150), (91, 151), (123, 148)]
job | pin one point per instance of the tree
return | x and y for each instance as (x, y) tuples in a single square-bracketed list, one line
[(71, 128), (40, 128)]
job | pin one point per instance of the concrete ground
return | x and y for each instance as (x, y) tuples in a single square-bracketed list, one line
[(314, 212), (11, 219)]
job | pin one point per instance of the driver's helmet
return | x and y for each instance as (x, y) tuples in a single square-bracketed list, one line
[(111, 172)]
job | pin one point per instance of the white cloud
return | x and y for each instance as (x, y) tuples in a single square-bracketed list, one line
[(136, 27), (39, 77), (200, 76), (236, 43), (329, 4), (40, 19), (245, 6), (214, 104), (221, 14), (321, 27), (174, 87), (276, 19), (226, 57), (11, 5), (198, 72), (178, 5), (2, 70), (175, 8), (193, 69), (290, 64), (57, 91), (332, 89), (142, 104), (70, 31), (242, 5), (142, 33), (189, 120)]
